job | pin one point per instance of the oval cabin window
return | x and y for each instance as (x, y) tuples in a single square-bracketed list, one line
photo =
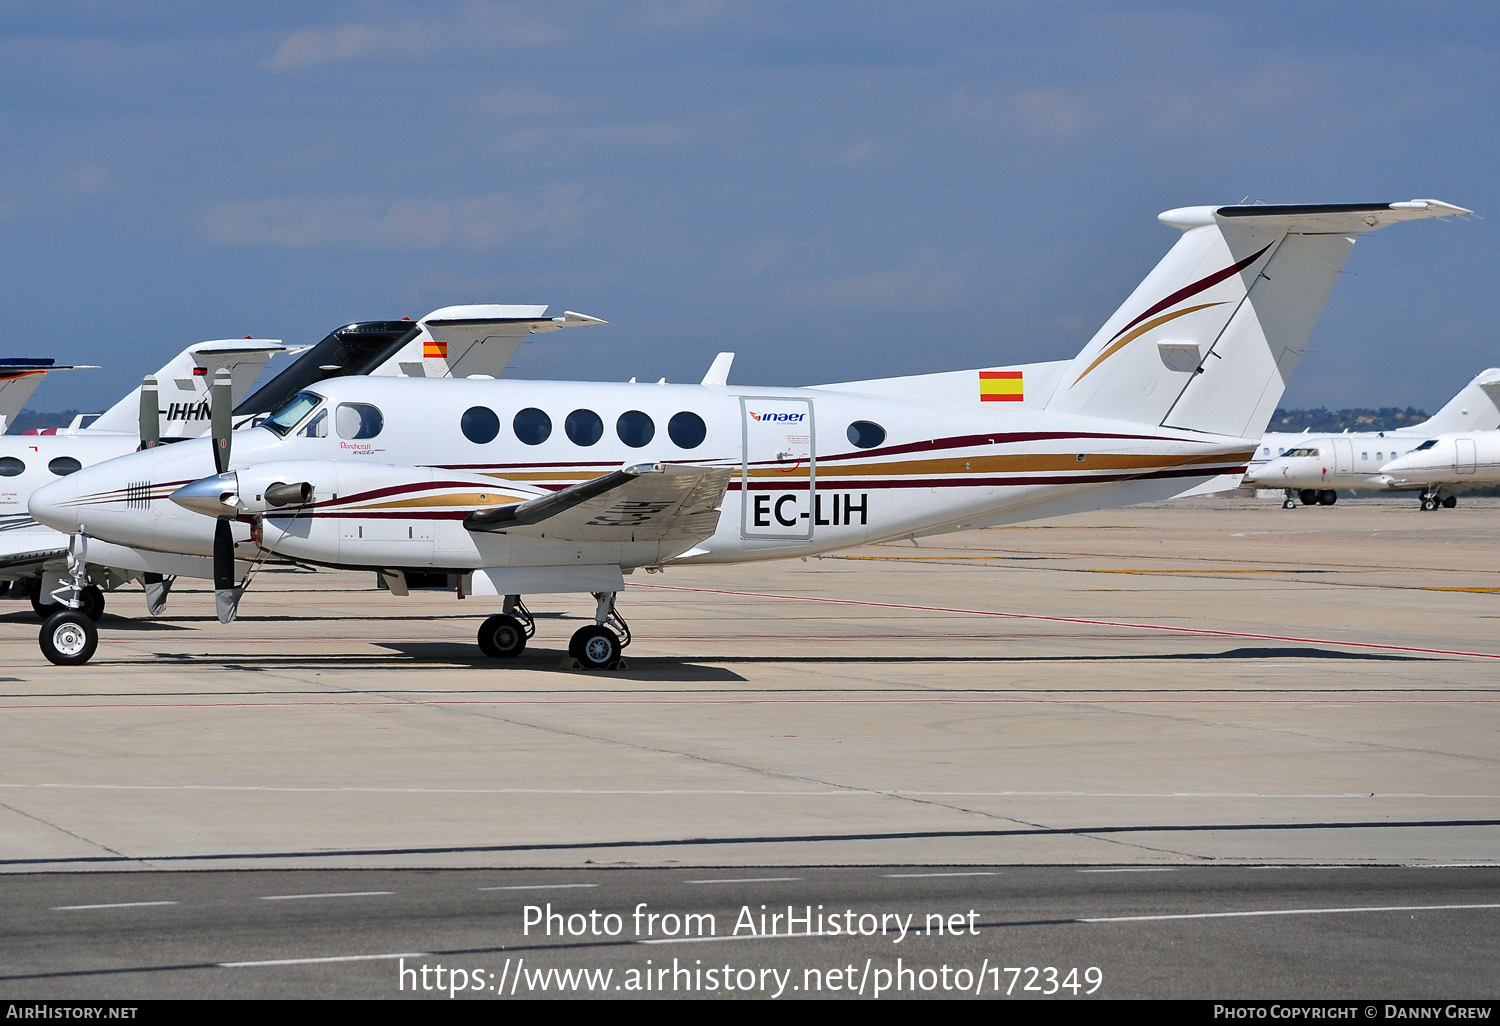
[(584, 427), (686, 430), (358, 420), (866, 434), (479, 424), (635, 428), (532, 426)]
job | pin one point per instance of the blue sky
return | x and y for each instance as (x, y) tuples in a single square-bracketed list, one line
[(830, 189)]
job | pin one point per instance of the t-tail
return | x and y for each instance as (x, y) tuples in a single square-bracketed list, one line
[(183, 386), (1208, 341)]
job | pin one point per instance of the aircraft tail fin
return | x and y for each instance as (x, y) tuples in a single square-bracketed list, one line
[(481, 339), (19, 378), (1209, 339), (183, 386), (1475, 408)]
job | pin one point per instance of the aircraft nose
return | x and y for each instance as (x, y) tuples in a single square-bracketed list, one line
[(56, 506)]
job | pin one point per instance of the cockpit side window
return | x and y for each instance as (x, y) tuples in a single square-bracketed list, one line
[(1426, 445), (290, 415), (358, 420), (317, 427)]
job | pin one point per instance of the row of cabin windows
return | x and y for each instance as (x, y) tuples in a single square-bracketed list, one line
[(62, 466), (532, 426), (1307, 451), (481, 425)]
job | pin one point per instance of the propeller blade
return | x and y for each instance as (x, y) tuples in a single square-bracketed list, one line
[(223, 555), (150, 414), (222, 404), (226, 595)]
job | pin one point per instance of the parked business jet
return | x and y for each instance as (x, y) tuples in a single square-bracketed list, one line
[(514, 488), (1446, 464), (1311, 467), (470, 340)]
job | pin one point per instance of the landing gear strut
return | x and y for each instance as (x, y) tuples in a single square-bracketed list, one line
[(69, 636)]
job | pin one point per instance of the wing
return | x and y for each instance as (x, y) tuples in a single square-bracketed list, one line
[(666, 502)]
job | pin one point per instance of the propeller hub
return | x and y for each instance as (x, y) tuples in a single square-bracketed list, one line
[(217, 496)]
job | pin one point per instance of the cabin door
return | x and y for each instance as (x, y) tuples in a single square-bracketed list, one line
[(778, 468)]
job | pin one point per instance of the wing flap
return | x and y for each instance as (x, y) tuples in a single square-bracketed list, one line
[(640, 503)]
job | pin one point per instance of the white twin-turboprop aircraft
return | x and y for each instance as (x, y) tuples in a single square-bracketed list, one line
[(522, 487)]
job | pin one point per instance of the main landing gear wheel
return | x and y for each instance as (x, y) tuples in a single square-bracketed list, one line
[(44, 607), (1309, 496), (1328, 498), (502, 636), (69, 638), (1429, 503), (595, 647), (1449, 501)]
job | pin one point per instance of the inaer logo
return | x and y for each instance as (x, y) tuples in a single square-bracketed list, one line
[(783, 418)]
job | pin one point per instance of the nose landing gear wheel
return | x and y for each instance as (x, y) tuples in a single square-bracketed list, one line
[(69, 638), (502, 636), (595, 647)]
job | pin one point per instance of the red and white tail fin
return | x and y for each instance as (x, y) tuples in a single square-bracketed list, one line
[(1209, 339)]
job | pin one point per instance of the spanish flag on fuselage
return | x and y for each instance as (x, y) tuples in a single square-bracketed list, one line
[(1000, 387), (435, 347)]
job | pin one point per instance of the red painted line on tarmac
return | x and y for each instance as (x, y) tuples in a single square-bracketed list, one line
[(1076, 620)]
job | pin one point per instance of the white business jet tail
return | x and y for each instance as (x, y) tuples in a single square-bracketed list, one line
[(183, 384), (1475, 408), (1207, 342)]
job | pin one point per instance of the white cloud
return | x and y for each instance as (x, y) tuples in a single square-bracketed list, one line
[(344, 222), (475, 26), (926, 279)]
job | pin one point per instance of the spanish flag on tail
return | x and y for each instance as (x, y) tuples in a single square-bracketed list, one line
[(435, 347), (1001, 387)]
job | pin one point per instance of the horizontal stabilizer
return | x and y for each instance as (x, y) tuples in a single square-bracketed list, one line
[(465, 341), (19, 378), (183, 384)]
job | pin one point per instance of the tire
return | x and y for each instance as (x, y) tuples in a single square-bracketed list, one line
[(69, 638), (1308, 496), (1429, 504), (1328, 498), (1449, 501), (1289, 503), (43, 606), (595, 647), (502, 636), (93, 603)]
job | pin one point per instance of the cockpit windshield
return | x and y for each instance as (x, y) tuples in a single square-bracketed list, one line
[(1426, 445), (290, 415), (1304, 451)]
